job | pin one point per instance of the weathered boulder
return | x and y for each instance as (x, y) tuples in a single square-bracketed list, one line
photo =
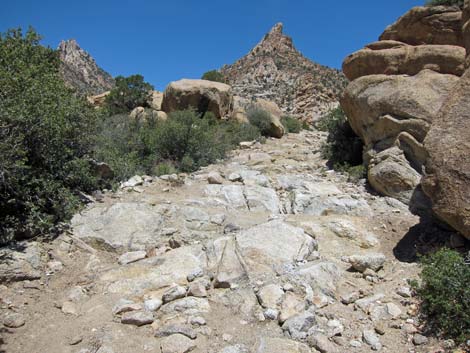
[(404, 59), (447, 177), (391, 174), (141, 113), (155, 100), (427, 25), (380, 107), (202, 95), (276, 128)]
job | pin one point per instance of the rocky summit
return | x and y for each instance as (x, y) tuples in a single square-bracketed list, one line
[(276, 71), (80, 70)]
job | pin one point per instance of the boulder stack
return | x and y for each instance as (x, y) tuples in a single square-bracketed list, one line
[(399, 84)]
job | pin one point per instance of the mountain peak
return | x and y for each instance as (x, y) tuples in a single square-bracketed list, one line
[(275, 70), (277, 29), (80, 70)]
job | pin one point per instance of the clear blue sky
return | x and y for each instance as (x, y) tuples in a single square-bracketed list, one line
[(171, 39)]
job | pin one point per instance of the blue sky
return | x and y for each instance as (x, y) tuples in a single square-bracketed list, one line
[(171, 39)]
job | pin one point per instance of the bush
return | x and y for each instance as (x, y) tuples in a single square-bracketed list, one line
[(291, 124), (445, 3), (214, 75), (445, 294), (184, 142), (129, 93), (45, 136), (261, 119), (343, 148)]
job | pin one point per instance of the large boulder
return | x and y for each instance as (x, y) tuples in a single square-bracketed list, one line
[(380, 107), (394, 58), (447, 177), (202, 95), (427, 25), (155, 100)]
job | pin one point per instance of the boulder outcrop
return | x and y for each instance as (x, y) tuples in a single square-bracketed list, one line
[(204, 96), (427, 25), (399, 85), (447, 172), (401, 58)]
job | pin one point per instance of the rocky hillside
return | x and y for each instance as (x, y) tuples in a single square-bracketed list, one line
[(267, 252), (80, 70), (275, 70)]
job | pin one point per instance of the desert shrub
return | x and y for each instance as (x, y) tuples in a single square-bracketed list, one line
[(214, 75), (291, 124), (128, 93), (445, 3), (260, 118), (343, 148), (184, 142), (45, 135), (445, 294)]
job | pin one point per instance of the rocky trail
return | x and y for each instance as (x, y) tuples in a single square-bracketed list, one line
[(267, 252)]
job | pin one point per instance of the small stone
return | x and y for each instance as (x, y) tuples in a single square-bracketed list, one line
[(75, 340), (405, 292), (76, 294), (373, 261), (124, 305), (197, 321), (355, 343), (152, 304), (197, 289), (320, 301), (227, 337), (380, 328), (409, 329), (271, 314), (69, 308), (371, 339), (137, 318), (132, 256), (350, 298), (234, 177), (176, 292), (270, 296), (55, 266), (218, 219), (215, 178), (132, 182), (321, 343), (170, 330), (13, 320), (195, 274), (393, 310), (419, 340), (288, 287), (176, 344)]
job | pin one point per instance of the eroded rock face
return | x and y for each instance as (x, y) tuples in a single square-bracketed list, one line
[(447, 178), (427, 25), (202, 95), (401, 58), (80, 70)]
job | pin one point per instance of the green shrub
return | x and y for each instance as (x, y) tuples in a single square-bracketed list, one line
[(445, 3), (184, 142), (214, 75), (45, 136), (445, 294), (343, 148), (261, 119), (291, 124), (129, 93)]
